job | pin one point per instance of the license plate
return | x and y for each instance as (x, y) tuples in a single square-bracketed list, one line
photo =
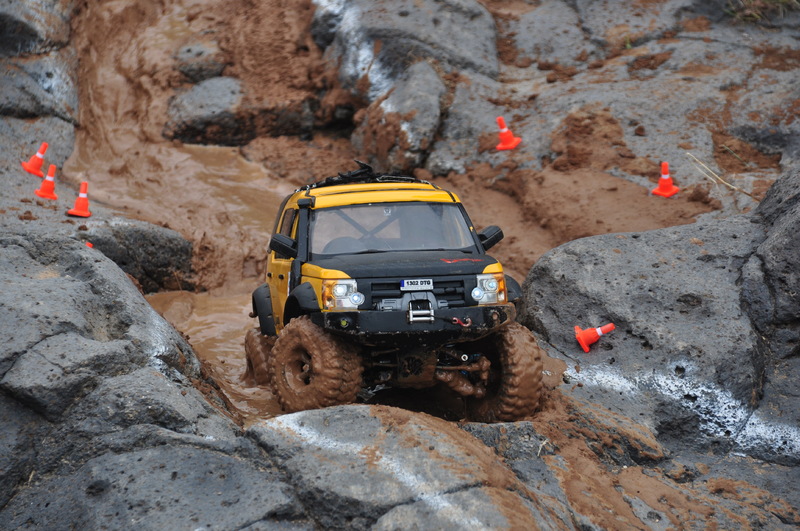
[(416, 284)]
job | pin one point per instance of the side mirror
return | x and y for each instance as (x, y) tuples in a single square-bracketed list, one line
[(283, 245), (490, 236)]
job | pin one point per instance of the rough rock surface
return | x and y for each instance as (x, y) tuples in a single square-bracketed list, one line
[(200, 60), (706, 340)]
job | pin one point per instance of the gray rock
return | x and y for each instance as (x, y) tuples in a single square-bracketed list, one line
[(684, 357), (38, 27), (352, 464), (552, 32), (17, 454), (157, 257), (61, 293), (400, 138), (207, 113), (155, 488), (22, 138), (200, 60), (43, 85), (458, 33), (215, 112)]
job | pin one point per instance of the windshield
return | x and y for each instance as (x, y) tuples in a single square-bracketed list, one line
[(385, 227)]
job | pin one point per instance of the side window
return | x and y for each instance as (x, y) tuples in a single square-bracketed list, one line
[(288, 222), (286, 228)]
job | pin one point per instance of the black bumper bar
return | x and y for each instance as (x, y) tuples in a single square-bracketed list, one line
[(374, 327)]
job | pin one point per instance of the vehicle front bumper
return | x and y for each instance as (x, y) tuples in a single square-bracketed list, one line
[(374, 327)]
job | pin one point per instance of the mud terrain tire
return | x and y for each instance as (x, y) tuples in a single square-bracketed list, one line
[(258, 349), (310, 368), (515, 378)]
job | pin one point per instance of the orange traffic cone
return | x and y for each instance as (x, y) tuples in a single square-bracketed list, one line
[(34, 165), (81, 203), (507, 138), (589, 337), (48, 188), (665, 187)]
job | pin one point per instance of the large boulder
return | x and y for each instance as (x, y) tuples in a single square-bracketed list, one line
[(374, 42), (397, 131), (30, 28), (686, 357)]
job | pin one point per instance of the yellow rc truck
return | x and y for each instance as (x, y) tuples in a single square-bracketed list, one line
[(380, 280)]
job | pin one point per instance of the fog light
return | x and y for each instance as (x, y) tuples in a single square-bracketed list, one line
[(340, 290), (344, 322)]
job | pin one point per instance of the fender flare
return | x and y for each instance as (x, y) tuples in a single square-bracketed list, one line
[(301, 301), (262, 308), (514, 289)]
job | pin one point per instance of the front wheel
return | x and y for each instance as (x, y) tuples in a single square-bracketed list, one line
[(514, 386), (310, 368)]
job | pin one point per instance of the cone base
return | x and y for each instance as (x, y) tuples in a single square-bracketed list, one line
[(45, 195), (30, 169), (580, 339), (666, 192), (79, 213), (502, 146)]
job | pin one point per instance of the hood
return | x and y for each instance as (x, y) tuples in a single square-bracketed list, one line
[(407, 264)]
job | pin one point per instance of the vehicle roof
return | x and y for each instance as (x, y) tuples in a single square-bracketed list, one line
[(381, 192)]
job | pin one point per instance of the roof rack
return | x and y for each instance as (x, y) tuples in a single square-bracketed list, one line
[(364, 174)]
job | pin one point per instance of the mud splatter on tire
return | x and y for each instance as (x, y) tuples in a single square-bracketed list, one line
[(515, 379), (258, 348), (310, 368)]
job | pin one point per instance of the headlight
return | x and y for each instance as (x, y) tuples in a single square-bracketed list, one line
[(491, 289), (341, 293)]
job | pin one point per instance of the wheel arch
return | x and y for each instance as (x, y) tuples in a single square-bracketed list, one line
[(262, 309), (301, 301)]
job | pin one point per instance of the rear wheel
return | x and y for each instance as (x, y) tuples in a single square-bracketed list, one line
[(310, 368), (515, 376), (257, 349)]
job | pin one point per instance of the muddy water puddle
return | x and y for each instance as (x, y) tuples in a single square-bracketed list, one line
[(216, 323)]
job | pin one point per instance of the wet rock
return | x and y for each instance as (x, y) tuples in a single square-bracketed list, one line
[(772, 280), (207, 113), (158, 258), (398, 131), (158, 488), (62, 293), (353, 465), (471, 116), (95, 391), (685, 356), (200, 60), (17, 454), (551, 32), (44, 85), (458, 33), (215, 111), (681, 332), (22, 138), (29, 28)]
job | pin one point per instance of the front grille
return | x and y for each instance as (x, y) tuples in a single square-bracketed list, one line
[(451, 289)]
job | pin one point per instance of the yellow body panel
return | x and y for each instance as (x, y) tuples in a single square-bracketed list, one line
[(315, 275), (493, 268)]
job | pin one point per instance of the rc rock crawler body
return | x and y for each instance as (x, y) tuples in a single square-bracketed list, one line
[(381, 280)]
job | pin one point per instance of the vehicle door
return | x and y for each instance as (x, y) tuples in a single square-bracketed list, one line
[(280, 268)]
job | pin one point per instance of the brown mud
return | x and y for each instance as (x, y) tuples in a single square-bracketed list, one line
[(225, 199)]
